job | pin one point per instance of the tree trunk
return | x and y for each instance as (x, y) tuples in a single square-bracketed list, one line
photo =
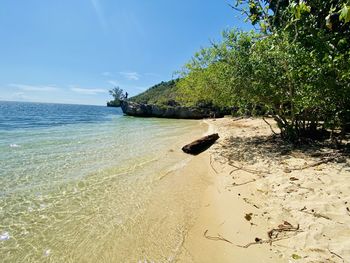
[(201, 144)]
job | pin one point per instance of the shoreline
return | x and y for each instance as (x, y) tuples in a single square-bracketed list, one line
[(253, 190)]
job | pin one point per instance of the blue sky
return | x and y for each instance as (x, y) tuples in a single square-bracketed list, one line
[(74, 51)]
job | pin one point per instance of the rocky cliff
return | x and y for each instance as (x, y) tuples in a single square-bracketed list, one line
[(177, 112)]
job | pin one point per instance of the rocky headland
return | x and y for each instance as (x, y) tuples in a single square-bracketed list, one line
[(168, 111)]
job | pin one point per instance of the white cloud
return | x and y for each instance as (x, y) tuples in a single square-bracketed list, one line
[(33, 88), (86, 91), (130, 75), (99, 12)]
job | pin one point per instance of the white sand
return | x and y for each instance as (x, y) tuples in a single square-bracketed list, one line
[(312, 203)]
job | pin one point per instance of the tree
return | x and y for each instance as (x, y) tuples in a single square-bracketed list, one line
[(296, 68), (117, 93), (118, 96), (321, 28)]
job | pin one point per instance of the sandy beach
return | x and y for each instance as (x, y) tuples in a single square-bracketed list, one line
[(267, 201)]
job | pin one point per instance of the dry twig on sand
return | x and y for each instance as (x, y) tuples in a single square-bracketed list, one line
[(237, 118), (268, 241), (273, 234), (335, 254), (285, 227), (217, 238), (246, 170), (322, 161), (316, 215), (248, 182)]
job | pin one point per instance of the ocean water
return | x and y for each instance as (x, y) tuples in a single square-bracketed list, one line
[(87, 184)]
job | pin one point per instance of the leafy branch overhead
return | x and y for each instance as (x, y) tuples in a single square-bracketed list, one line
[(295, 66)]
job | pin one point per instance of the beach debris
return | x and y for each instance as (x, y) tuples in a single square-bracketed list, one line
[(257, 239), (248, 217), (237, 118), (4, 236), (295, 256), (322, 161), (250, 202), (217, 238), (335, 254), (285, 227), (246, 170), (248, 182), (274, 234), (200, 145), (293, 179), (316, 214)]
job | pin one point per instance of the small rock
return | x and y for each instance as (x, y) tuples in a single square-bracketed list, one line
[(47, 252), (4, 236)]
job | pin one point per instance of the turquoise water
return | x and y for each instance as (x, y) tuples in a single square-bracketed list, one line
[(86, 184)]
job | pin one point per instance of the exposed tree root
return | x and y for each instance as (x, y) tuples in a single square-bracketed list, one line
[(269, 126)]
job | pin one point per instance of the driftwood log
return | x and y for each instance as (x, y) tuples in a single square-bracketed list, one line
[(201, 144)]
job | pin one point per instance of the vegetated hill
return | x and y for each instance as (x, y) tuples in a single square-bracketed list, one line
[(161, 94)]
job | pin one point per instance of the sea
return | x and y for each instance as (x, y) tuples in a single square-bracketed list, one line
[(87, 184)]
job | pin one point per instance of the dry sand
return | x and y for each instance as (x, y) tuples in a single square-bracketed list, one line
[(258, 185)]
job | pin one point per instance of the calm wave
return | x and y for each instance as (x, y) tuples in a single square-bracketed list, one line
[(86, 184), (17, 115)]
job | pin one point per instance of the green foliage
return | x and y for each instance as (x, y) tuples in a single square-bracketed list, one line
[(345, 13), (118, 95), (296, 69), (211, 75), (159, 94)]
